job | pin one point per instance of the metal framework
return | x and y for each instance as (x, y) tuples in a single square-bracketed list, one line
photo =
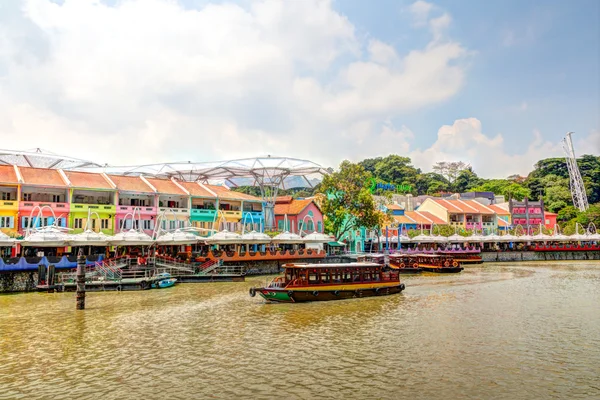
[(38, 158), (267, 173), (576, 182)]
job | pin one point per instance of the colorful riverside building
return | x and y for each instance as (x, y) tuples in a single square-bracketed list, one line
[(297, 215), (465, 214), (69, 196), (407, 220)]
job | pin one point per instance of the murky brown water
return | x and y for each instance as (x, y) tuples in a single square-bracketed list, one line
[(528, 331)]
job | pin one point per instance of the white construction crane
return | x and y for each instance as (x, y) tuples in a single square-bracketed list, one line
[(577, 188)]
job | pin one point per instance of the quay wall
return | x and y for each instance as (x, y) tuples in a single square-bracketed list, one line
[(515, 256), (20, 281)]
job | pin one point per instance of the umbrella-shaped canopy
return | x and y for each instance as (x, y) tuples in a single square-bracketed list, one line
[(5, 240), (542, 237), (89, 238), (475, 238), (317, 237), (594, 236), (131, 238), (255, 237), (176, 237), (525, 238), (508, 238), (224, 237), (46, 236), (288, 237), (493, 238), (578, 237), (424, 239), (404, 238), (456, 238), (560, 238)]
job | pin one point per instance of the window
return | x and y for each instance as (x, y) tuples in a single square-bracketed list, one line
[(280, 225), (147, 224), (56, 198), (6, 222), (300, 224), (172, 224), (104, 223), (311, 226), (26, 196), (320, 227), (6, 196), (93, 224), (78, 223)]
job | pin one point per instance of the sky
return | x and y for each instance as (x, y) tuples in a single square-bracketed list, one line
[(493, 83)]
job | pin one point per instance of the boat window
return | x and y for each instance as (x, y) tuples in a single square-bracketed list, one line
[(325, 277), (313, 278), (347, 276), (356, 275)]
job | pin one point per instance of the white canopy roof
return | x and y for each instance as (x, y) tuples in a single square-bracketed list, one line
[(89, 238), (317, 237), (131, 238), (176, 237), (46, 236), (5, 240), (255, 237), (458, 239), (224, 237), (288, 237)]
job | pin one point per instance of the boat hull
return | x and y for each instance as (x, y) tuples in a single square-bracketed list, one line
[(293, 295), (409, 270), (442, 270), (469, 260)]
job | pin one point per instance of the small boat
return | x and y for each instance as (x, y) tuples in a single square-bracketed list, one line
[(324, 282), (438, 263), (463, 256), (405, 264), (163, 280)]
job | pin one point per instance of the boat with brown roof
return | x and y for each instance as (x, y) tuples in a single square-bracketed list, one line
[(405, 264), (324, 282), (438, 263)]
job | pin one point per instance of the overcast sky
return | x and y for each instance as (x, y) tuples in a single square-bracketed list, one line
[(493, 83)]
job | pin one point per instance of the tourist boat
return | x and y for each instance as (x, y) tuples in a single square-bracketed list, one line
[(464, 256), (164, 280), (438, 263), (323, 282), (405, 264)]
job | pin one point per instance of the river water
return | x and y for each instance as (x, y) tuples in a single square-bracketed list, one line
[(520, 331)]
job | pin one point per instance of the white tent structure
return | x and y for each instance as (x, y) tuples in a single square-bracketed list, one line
[(317, 237), (288, 238), (254, 237), (5, 240), (176, 238), (46, 236), (131, 238), (224, 237)]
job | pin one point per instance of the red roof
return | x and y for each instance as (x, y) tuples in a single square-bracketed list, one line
[(294, 207), (87, 180), (7, 174), (395, 207), (502, 223), (130, 184), (166, 186), (424, 218), (403, 219), (498, 210), (482, 209), (196, 190), (463, 206), (42, 177), (227, 194)]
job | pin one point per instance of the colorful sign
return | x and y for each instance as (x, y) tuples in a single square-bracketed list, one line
[(388, 187)]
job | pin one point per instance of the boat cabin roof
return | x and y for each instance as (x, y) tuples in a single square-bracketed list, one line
[(339, 265)]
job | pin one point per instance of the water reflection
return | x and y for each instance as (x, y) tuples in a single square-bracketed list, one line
[(498, 331)]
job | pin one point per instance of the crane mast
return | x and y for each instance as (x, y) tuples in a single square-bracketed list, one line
[(576, 182)]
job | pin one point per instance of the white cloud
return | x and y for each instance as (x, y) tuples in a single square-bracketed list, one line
[(465, 140), (151, 81), (421, 10)]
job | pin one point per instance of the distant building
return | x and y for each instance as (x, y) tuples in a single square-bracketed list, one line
[(297, 215), (466, 214), (527, 213), (406, 220), (550, 219)]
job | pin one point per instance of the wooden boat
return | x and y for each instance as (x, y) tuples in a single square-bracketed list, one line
[(438, 263), (324, 282), (463, 256), (405, 264)]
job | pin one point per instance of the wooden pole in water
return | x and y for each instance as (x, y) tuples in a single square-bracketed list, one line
[(80, 280)]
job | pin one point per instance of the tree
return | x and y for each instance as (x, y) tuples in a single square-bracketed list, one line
[(503, 187), (466, 181), (346, 200), (396, 170), (450, 169), (431, 183)]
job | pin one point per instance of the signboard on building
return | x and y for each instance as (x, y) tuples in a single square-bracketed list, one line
[(388, 187)]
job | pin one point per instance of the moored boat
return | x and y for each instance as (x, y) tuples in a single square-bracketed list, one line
[(438, 263), (324, 282), (405, 264), (163, 280), (463, 256)]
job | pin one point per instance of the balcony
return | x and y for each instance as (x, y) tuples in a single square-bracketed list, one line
[(176, 211), (99, 208), (456, 223), (56, 207), (201, 214), (472, 225), (255, 216), (12, 205), (144, 210), (231, 215)]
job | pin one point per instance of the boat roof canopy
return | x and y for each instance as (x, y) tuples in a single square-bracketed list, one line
[(339, 265)]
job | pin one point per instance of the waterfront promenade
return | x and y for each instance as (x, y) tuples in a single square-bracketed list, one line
[(498, 331)]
